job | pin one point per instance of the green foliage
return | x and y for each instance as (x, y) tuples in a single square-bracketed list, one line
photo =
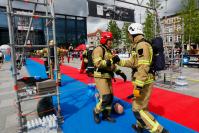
[(149, 24), (113, 27), (125, 36), (190, 19)]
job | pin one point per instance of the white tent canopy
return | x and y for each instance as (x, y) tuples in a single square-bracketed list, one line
[(5, 48)]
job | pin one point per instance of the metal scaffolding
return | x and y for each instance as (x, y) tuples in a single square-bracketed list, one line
[(50, 18)]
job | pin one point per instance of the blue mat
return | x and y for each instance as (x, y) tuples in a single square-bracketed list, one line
[(35, 69), (77, 102)]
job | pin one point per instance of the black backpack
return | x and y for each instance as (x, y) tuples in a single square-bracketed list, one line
[(90, 65), (158, 62)]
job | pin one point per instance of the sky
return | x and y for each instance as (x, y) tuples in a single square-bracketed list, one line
[(79, 8)]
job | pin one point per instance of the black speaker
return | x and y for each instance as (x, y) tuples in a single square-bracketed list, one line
[(45, 107)]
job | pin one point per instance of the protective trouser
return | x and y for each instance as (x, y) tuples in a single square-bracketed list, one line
[(106, 97), (46, 65), (140, 110), (52, 64)]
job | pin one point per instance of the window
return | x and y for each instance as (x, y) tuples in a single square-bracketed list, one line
[(170, 39), (167, 30), (179, 38), (60, 30), (171, 29), (3, 21), (179, 27)]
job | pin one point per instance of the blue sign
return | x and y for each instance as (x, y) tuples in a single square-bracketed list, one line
[(191, 60)]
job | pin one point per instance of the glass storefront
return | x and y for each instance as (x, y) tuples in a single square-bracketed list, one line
[(69, 29)]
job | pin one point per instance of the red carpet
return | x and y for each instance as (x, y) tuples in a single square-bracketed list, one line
[(180, 108)]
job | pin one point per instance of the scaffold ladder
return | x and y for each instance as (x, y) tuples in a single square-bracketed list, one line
[(50, 18)]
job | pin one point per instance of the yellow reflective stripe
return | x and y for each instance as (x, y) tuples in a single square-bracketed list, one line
[(122, 62), (149, 81), (103, 63), (151, 53), (139, 83), (108, 107), (99, 106), (97, 59), (151, 122), (143, 62), (133, 53), (155, 127)]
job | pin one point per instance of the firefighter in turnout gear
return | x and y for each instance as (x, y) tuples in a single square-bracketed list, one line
[(44, 53), (84, 61), (104, 68), (45, 56), (142, 79)]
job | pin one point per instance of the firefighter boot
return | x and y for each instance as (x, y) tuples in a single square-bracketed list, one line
[(96, 117), (137, 128), (164, 131), (107, 117)]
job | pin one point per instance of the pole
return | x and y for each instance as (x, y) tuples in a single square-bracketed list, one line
[(182, 45), (47, 37), (155, 24), (29, 27), (189, 28), (13, 55), (55, 56)]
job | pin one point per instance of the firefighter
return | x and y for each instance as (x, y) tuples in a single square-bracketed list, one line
[(84, 60), (90, 66), (104, 64), (143, 78), (44, 53), (45, 56)]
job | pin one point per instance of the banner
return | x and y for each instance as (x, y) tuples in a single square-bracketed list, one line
[(23, 21), (191, 60), (110, 11)]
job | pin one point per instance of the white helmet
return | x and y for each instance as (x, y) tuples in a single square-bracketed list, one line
[(135, 28)]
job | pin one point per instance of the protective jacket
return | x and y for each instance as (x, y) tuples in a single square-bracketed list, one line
[(140, 61), (100, 56), (85, 56)]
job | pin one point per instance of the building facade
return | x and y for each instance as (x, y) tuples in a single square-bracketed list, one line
[(94, 37), (172, 30), (69, 29)]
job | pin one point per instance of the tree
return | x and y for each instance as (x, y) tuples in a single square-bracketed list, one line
[(190, 19), (149, 24), (113, 27), (125, 36)]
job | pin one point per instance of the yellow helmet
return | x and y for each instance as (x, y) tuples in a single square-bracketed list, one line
[(41, 51), (51, 42)]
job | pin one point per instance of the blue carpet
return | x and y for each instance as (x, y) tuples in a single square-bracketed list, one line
[(77, 102)]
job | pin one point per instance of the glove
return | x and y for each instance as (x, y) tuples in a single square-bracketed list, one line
[(116, 59), (119, 72)]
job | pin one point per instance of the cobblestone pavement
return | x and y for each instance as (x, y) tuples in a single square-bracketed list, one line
[(8, 115)]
